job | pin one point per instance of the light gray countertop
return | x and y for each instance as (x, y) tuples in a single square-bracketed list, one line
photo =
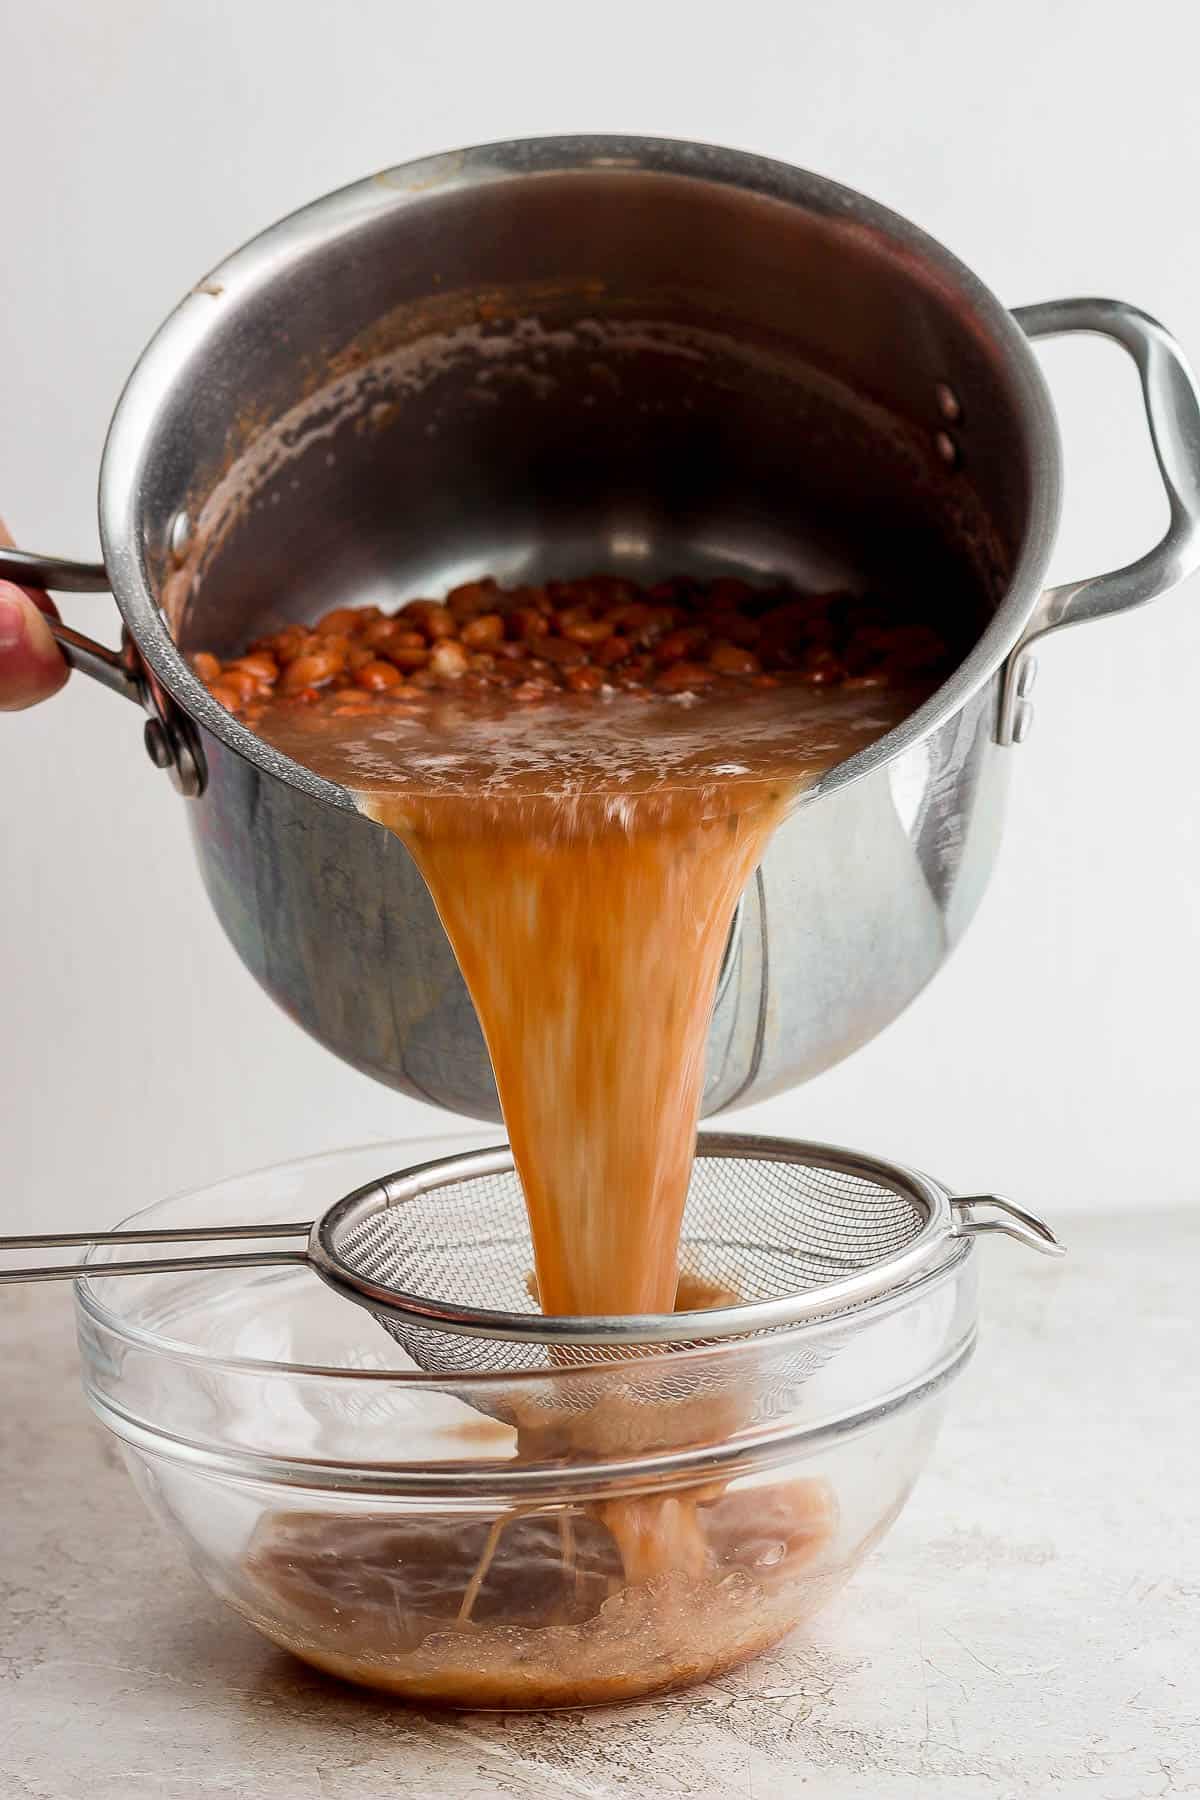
[(1031, 1627)]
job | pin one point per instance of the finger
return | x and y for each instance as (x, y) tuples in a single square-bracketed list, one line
[(31, 665)]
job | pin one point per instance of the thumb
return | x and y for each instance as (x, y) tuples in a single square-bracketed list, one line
[(31, 666)]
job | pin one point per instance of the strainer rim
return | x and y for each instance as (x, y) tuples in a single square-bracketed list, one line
[(891, 1274)]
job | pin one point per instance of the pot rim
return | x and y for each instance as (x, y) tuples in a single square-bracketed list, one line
[(183, 335)]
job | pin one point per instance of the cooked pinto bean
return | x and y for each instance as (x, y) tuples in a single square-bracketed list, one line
[(241, 681), (290, 643), (482, 632), (341, 619), (583, 636), (381, 632), (727, 659), (736, 628), (684, 678), (473, 598), (613, 650), (407, 656), (630, 619), (561, 651), (528, 622), (449, 660), (680, 645), (376, 676), (435, 620), (587, 631), (314, 670), (261, 665), (662, 619)]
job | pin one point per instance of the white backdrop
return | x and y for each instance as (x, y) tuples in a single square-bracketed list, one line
[(1052, 143)]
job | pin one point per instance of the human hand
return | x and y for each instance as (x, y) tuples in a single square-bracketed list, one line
[(31, 664)]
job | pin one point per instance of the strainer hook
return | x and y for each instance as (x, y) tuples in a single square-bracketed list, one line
[(1016, 1223)]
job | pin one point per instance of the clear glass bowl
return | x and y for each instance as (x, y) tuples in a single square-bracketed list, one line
[(515, 1540)]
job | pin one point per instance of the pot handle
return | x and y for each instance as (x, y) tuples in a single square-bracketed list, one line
[(1173, 412), (116, 669), (172, 742)]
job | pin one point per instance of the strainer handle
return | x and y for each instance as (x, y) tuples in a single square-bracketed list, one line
[(1015, 1223), (198, 1234)]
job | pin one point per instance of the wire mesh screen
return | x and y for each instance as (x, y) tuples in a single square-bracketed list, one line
[(753, 1228)]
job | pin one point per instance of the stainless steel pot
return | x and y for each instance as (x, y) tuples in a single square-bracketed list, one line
[(561, 355)]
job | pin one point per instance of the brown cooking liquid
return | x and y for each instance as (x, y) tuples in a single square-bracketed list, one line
[(585, 855), (555, 1619)]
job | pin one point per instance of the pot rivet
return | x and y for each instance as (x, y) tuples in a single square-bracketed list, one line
[(179, 535), (948, 404), (157, 747), (947, 449), (1027, 676), (1022, 723)]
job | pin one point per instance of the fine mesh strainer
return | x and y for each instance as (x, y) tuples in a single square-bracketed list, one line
[(440, 1254)]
